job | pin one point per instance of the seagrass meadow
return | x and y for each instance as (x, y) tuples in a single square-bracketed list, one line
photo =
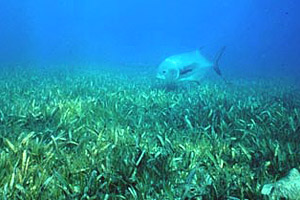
[(94, 134)]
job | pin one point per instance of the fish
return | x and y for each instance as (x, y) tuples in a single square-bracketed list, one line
[(189, 66), (287, 187)]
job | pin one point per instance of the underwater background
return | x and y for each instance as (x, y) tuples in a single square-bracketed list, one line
[(262, 37), (83, 116)]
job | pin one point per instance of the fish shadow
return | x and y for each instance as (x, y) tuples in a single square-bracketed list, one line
[(174, 87)]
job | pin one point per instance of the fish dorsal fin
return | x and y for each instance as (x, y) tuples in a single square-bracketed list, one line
[(199, 51), (201, 48)]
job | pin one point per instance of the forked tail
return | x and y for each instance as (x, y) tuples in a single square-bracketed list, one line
[(217, 59), (216, 64)]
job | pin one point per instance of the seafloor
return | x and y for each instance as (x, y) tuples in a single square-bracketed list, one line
[(95, 134)]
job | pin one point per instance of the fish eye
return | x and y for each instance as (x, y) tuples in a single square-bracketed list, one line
[(164, 71)]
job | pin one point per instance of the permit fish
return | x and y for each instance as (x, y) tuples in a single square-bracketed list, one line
[(189, 66), (287, 187)]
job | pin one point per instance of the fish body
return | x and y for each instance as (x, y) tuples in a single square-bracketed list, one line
[(190, 66)]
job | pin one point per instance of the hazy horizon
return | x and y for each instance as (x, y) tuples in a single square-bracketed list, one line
[(261, 37)]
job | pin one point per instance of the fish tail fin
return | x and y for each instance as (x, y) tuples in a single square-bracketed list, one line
[(217, 59), (216, 64)]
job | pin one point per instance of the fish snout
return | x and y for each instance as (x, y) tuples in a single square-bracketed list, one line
[(159, 76)]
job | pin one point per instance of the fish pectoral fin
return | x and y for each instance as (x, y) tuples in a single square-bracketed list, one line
[(188, 69)]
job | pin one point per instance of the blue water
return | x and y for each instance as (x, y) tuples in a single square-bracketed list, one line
[(262, 37)]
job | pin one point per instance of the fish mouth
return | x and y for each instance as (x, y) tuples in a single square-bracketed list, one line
[(160, 76)]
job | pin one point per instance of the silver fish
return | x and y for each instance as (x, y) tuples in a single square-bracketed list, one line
[(190, 66)]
